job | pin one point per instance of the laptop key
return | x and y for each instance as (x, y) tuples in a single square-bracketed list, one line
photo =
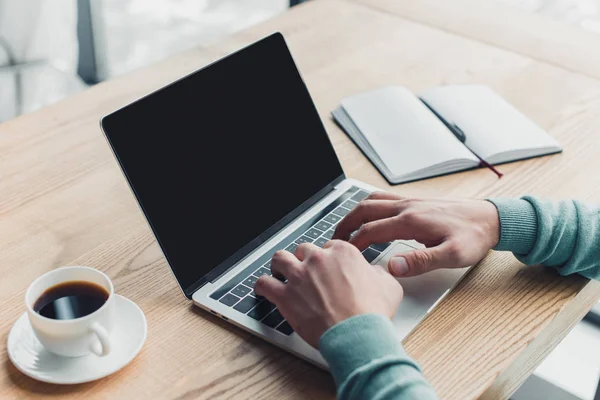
[(247, 304), (361, 195), (250, 281), (381, 246), (262, 271), (349, 204), (329, 234), (332, 218), (292, 247), (321, 241), (313, 233), (273, 319), (303, 239), (285, 328), (370, 254), (253, 294), (261, 310), (229, 299), (241, 290), (341, 211), (322, 225)]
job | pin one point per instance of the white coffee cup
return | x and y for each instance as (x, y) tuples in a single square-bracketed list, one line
[(79, 336)]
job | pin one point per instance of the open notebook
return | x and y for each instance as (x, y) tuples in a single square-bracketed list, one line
[(409, 138)]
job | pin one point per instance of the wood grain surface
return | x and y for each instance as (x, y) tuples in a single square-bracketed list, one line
[(64, 202)]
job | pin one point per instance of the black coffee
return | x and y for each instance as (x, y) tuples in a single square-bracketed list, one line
[(70, 300)]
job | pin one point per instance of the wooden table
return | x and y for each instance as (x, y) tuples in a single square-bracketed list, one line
[(64, 201)]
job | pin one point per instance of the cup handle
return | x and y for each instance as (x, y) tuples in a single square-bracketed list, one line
[(103, 348)]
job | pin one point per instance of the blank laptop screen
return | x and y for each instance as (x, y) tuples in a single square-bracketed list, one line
[(220, 156)]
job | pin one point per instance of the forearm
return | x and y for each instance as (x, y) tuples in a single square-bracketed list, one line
[(367, 361), (564, 235)]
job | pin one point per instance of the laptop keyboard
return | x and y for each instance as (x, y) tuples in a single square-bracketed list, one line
[(242, 296)]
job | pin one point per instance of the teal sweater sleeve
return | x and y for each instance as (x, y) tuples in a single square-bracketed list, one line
[(367, 361), (564, 235)]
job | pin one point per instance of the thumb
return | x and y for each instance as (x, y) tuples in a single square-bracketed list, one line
[(417, 262)]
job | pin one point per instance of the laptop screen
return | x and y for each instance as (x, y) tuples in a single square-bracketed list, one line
[(223, 157)]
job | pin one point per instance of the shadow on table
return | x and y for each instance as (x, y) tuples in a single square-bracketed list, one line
[(300, 376), (30, 385), (27, 384)]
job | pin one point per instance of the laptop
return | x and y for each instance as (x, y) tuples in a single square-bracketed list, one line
[(232, 163)]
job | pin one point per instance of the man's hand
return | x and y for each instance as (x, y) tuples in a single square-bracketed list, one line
[(457, 233), (326, 286)]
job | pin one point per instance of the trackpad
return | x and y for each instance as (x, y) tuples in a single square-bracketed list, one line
[(420, 292)]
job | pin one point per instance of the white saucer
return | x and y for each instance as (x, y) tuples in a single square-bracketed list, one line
[(30, 357)]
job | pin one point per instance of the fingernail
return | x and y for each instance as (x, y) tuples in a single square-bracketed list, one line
[(398, 266)]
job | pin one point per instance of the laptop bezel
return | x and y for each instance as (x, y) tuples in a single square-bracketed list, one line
[(230, 262)]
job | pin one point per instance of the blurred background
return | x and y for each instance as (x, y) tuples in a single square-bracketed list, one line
[(51, 49)]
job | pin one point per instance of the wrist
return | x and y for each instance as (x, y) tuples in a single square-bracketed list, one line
[(491, 224), (518, 225)]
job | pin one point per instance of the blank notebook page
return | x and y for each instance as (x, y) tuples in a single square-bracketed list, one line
[(492, 126), (401, 129)]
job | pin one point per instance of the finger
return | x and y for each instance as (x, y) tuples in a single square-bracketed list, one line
[(271, 288), (365, 211), (384, 196), (284, 264), (417, 262), (304, 250), (381, 231), (331, 243)]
